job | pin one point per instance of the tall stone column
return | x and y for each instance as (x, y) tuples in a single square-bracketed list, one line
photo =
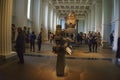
[(86, 24), (51, 19), (53, 28), (49, 9), (54, 22), (89, 21), (116, 20), (20, 13), (41, 18), (98, 16), (5, 28), (45, 20), (36, 16), (93, 18), (106, 20)]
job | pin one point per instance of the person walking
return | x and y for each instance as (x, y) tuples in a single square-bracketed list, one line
[(39, 40), (32, 41), (20, 45)]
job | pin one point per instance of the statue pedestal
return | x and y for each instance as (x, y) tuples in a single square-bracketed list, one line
[(60, 65)]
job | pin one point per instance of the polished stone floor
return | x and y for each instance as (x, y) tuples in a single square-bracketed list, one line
[(81, 65)]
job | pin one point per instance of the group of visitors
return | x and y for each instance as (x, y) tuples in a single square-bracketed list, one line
[(32, 39), (93, 39)]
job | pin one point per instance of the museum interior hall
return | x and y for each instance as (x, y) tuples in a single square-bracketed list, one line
[(59, 39)]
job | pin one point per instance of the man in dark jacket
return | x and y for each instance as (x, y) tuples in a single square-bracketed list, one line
[(20, 45)]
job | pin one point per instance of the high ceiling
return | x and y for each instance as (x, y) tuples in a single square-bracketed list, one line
[(80, 7)]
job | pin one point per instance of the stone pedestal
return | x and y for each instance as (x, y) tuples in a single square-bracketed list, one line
[(60, 65)]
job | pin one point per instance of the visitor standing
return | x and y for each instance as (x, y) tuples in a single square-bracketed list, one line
[(39, 40), (20, 45), (32, 41)]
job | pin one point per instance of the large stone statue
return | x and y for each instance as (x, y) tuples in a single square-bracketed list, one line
[(63, 40), (60, 49)]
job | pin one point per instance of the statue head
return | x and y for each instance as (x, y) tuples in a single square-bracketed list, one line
[(71, 19)]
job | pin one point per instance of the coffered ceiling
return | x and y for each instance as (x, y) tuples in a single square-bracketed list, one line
[(80, 7)]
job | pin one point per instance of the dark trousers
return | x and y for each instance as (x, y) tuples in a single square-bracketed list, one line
[(60, 65), (20, 56), (80, 41), (39, 46), (32, 45), (94, 47), (90, 45)]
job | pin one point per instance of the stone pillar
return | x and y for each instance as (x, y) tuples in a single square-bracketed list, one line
[(41, 19), (54, 22), (51, 19), (106, 21), (20, 13), (53, 28), (93, 18), (5, 28), (89, 21), (98, 16), (86, 24), (49, 9), (45, 20), (36, 12), (116, 20)]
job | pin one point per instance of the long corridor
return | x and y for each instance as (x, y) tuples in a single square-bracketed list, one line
[(84, 19)]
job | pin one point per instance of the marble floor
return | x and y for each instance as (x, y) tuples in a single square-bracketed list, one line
[(81, 65)]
